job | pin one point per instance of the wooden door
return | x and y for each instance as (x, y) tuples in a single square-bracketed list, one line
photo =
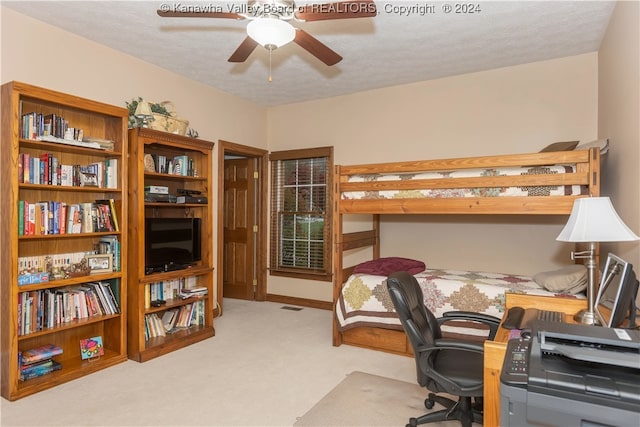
[(239, 220)]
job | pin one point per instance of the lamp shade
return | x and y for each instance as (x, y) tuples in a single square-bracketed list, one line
[(593, 219), (271, 32), (143, 109)]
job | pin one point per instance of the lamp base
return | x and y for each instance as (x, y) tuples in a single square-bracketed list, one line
[(586, 317)]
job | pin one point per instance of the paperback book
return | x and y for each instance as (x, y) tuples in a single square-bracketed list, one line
[(39, 369), (40, 353)]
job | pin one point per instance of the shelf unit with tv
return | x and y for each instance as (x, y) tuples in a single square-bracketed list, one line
[(170, 298), (61, 155)]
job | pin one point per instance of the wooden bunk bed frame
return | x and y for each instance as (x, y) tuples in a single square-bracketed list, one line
[(586, 173)]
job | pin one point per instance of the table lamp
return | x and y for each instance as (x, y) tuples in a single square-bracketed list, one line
[(143, 112), (593, 219)]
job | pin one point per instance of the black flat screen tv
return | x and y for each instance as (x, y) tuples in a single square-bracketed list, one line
[(172, 243)]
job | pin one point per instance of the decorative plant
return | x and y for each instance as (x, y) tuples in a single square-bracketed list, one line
[(136, 122)]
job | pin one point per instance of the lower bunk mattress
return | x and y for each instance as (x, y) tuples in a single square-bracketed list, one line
[(365, 301)]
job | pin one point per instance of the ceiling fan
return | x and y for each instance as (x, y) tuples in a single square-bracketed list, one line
[(270, 27)]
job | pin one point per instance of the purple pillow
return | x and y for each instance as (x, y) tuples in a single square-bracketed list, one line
[(388, 265)]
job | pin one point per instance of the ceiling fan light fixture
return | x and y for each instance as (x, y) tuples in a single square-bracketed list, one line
[(271, 32)]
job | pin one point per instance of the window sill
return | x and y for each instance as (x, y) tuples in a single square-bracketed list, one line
[(322, 277)]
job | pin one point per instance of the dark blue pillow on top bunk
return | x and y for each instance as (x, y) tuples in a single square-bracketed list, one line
[(388, 265)]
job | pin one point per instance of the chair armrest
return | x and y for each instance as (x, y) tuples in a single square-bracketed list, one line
[(451, 344), (491, 321)]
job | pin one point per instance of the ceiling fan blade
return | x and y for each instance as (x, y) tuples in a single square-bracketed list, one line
[(178, 14), (316, 48), (244, 50), (337, 10)]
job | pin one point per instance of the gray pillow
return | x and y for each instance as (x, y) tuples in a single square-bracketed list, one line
[(567, 280)]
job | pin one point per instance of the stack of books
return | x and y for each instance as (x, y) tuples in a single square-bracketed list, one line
[(38, 361), (153, 326), (194, 292)]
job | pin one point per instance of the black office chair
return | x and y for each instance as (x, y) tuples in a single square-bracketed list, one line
[(443, 365)]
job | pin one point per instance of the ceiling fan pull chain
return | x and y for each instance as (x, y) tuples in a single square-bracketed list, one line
[(270, 50)]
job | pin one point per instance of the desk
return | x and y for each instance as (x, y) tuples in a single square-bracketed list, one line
[(495, 350)]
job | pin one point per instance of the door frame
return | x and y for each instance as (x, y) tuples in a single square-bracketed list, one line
[(262, 156)]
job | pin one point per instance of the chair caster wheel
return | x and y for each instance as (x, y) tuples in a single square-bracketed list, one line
[(413, 422), (429, 401)]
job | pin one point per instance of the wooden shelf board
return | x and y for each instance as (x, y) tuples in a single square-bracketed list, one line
[(71, 369), (161, 345)]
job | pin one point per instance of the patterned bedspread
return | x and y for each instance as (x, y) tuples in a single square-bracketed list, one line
[(562, 190), (364, 300)]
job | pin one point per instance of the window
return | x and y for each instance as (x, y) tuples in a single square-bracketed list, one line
[(301, 213)]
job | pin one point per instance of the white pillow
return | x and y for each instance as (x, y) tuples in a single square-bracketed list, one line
[(603, 144)]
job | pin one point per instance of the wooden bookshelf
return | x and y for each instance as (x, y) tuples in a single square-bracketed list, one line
[(143, 345), (97, 121)]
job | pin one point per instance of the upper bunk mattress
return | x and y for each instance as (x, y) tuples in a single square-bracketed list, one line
[(519, 191)]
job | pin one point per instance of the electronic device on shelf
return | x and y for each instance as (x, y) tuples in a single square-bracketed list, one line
[(192, 199), (159, 198), (172, 243), (520, 318), (184, 191), (617, 293)]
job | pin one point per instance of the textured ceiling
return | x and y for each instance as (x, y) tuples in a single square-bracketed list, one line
[(392, 48)]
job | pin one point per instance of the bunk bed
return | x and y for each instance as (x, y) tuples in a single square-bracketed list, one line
[(545, 183)]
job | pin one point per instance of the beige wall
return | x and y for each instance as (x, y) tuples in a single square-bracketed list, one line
[(619, 119), (510, 110)]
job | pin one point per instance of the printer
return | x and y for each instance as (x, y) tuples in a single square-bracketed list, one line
[(571, 375)]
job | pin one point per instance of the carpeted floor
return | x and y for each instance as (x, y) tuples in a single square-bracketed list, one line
[(367, 400)]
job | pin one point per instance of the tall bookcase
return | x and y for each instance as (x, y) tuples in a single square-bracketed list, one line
[(150, 154), (40, 271)]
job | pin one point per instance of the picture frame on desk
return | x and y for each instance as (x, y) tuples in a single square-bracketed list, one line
[(100, 263)]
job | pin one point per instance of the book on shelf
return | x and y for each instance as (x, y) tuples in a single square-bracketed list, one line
[(38, 354), (39, 365), (194, 292), (37, 371), (110, 245), (111, 173), (74, 221), (154, 326), (68, 140), (169, 319), (106, 297), (86, 217), (21, 218), (184, 317), (114, 214), (106, 215), (62, 217), (105, 144), (96, 171), (181, 165)]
